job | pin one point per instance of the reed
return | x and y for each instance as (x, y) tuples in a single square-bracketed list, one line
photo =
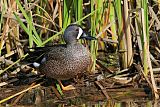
[(67, 12), (30, 27), (128, 34), (4, 9), (78, 10), (36, 23), (112, 18), (96, 24), (122, 38)]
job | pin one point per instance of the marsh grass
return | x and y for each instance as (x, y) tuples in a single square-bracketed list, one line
[(37, 23)]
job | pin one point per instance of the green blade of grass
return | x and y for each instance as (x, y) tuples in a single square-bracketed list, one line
[(29, 21), (26, 30)]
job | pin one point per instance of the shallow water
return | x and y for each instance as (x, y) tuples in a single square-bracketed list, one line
[(109, 103)]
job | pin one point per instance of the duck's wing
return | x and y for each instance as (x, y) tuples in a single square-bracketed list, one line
[(41, 54), (58, 52)]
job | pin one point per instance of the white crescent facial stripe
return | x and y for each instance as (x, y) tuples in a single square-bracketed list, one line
[(79, 33)]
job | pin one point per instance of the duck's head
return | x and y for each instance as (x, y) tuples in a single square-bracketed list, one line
[(74, 32)]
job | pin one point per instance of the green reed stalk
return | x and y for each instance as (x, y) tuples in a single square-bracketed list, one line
[(95, 24), (113, 26), (145, 38), (67, 4), (78, 10), (122, 38), (146, 54)]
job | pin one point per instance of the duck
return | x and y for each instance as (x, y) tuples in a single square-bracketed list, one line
[(66, 61)]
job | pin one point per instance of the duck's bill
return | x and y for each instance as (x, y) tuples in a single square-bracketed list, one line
[(87, 37)]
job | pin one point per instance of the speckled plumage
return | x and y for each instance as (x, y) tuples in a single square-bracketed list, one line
[(66, 61)]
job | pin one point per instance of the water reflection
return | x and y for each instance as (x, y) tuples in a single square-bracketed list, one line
[(109, 103)]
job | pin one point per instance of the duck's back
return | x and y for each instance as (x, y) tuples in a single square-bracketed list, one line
[(66, 61)]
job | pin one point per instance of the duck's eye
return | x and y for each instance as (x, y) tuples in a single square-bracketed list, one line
[(77, 29)]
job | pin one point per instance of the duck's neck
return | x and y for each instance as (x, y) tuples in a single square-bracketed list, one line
[(72, 43)]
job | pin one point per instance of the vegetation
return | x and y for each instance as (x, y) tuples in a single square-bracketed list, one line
[(129, 30)]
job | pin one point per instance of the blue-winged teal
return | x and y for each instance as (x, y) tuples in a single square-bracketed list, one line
[(65, 61)]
